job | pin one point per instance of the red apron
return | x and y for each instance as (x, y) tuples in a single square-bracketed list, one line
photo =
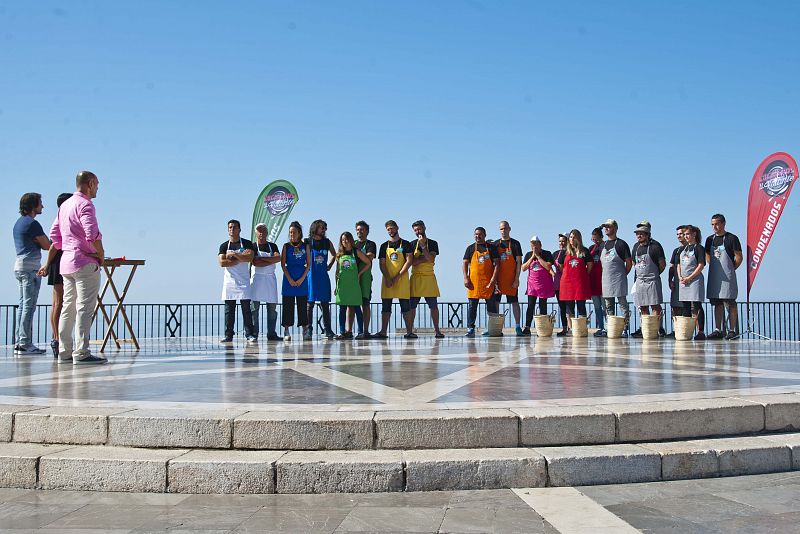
[(507, 270), (575, 279), (596, 276), (480, 274)]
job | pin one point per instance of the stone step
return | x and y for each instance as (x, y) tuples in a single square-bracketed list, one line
[(297, 430), (115, 468)]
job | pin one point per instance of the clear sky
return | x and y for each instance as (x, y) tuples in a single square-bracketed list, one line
[(552, 115)]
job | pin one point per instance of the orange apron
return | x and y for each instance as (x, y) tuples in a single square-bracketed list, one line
[(508, 269), (480, 274)]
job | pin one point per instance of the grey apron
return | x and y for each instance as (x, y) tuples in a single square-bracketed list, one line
[(648, 280), (614, 279), (695, 291), (721, 273), (674, 296)]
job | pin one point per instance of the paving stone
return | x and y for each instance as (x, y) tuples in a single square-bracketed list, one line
[(172, 428), (749, 456), (601, 464), (64, 424), (379, 519), (303, 431), (793, 442), (671, 420), (446, 429), (781, 412), (7, 412), (215, 471), (684, 460), (452, 469), (340, 471), (565, 425), (18, 463), (107, 469)]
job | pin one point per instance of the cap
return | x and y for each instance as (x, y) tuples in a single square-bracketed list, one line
[(535, 238), (645, 223), (645, 228), (261, 225), (610, 222)]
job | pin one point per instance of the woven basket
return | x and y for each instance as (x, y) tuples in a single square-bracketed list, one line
[(650, 326), (579, 327), (615, 325), (544, 325), (495, 324), (684, 328)]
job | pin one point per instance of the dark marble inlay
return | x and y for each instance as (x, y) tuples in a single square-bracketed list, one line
[(400, 375), (277, 386), (535, 383)]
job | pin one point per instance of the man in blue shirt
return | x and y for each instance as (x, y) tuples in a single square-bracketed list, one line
[(29, 240)]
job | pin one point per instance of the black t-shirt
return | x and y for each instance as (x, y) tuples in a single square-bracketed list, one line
[(559, 257), (516, 248), (246, 244), (493, 254), (655, 249), (433, 246), (730, 241), (270, 247), (595, 250), (406, 247), (367, 247), (674, 260), (622, 248), (319, 244), (546, 256)]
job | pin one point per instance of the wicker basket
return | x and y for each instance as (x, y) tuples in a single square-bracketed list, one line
[(580, 327), (544, 325), (684, 328), (650, 326), (615, 325), (495, 324)]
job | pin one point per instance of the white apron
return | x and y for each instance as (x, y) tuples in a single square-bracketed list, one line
[(236, 280), (264, 284)]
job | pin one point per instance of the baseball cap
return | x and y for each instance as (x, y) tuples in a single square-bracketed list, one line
[(610, 222), (645, 223), (535, 238), (642, 228)]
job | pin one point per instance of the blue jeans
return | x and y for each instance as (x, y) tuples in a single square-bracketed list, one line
[(272, 317), (599, 311), (29, 285)]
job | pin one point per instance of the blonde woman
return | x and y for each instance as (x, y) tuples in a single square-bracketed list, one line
[(575, 284), (348, 288)]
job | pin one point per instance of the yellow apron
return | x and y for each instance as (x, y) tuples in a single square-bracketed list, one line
[(423, 279), (395, 259)]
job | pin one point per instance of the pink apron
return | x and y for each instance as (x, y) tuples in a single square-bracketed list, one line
[(540, 282)]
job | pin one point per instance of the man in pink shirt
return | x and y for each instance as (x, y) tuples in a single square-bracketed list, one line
[(76, 234)]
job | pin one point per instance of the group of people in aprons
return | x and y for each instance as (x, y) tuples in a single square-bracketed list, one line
[(575, 274), (407, 270)]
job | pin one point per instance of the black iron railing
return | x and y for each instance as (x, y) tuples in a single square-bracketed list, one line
[(776, 320)]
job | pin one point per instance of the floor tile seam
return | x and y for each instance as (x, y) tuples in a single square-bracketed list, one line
[(689, 372), (346, 381)]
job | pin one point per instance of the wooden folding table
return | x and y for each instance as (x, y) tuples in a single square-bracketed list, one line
[(110, 267)]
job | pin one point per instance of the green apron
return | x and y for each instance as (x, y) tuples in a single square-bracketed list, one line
[(348, 289)]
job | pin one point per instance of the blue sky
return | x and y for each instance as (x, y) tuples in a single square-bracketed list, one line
[(461, 113)]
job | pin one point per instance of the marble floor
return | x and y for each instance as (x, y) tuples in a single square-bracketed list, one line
[(404, 374), (760, 503)]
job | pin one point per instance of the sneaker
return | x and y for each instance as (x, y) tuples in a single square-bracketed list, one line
[(716, 334), (273, 337), (252, 339), (470, 332), (226, 339), (65, 360), (600, 333), (345, 336), (307, 335), (412, 335), (732, 334), (671, 335), (30, 349), (519, 331), (526, 332), (359, 337), (439, 335), (662, 332), (330, 335), (485, 333), (287, 337), (54, 347), (380, 335), (700, 336), (637, 334), (562, 333), (91, 360)]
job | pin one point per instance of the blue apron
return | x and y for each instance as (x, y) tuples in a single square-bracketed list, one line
[(296, 265), (319, 283)]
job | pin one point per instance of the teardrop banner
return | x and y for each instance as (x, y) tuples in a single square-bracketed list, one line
[(273, 207), (769, 195)]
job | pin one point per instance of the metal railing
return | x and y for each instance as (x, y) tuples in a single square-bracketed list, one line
[(776, 320)]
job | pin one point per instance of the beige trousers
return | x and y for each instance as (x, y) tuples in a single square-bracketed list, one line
[(80, 297)]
